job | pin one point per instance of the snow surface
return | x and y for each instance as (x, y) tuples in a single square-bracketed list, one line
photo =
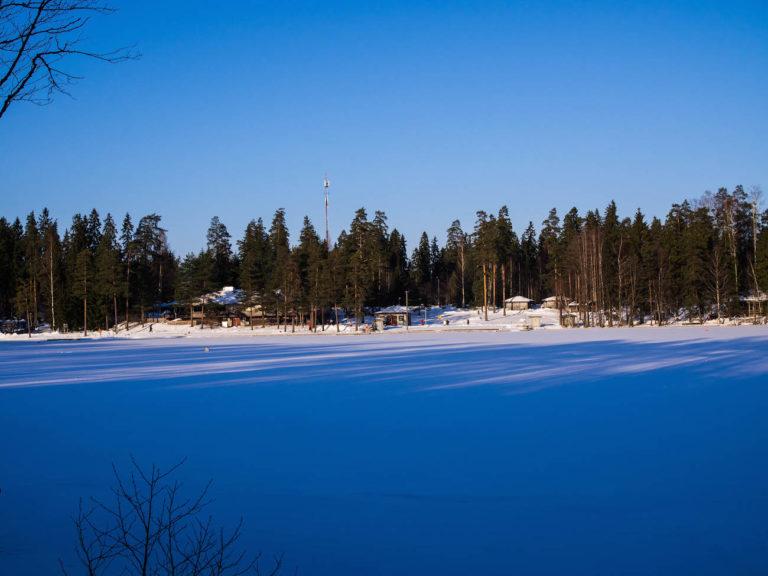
[(624, 451)]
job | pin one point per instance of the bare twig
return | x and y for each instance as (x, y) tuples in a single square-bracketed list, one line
[(151, 529), (37, 37)]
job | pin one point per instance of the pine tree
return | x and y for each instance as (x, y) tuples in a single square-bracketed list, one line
[(529, 258), (220, 247), (50, 266), (153, 262), (11, 262), (254, 262), (436, 268), (359, 264), (23, 302), (107, 272), (32, 265), (421, 270), (310, 264), (485, 249), (378, 246), (550, 259), (81, 283), (280, 253), (128, 249), (456, 261), (612, 254)]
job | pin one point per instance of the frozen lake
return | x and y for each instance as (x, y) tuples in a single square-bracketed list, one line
[(624, 451)]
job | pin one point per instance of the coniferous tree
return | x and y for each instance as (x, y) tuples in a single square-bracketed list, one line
[(11, 263), (397, 260), (456, 263), (50, 266), (32, 265), (486, 253), (107, 272), (550, 258), (699, 262), (506, 248), (529, 262), (280, 253), (359, 264), (310, 264), (436, 257), (128, 250), (220, 247), (81, 283), (254, 262), (153, 262), (421, 270)]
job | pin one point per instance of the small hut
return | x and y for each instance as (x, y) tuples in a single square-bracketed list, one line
[(550, 302), (573, 307), (394, 316), (756, 303), (569, 320), (517, 303)]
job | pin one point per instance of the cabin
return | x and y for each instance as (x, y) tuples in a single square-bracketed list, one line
[(569, 320), (756, 303), (550, 302), (222, 306), (517, 303), (393, 316), (574, 307)]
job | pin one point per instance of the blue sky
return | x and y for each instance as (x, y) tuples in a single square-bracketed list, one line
[(427, 110)]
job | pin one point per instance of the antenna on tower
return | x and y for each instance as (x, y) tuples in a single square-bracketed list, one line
[(326, 185)]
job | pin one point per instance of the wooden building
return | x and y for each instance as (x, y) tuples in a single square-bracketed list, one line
[(517, 303), (756, 303), (393, 316), (550, 302)]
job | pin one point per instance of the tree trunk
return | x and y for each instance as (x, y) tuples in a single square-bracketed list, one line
[(493, 289), (485, 291), (50, 279), (461, 259), (504, 289)]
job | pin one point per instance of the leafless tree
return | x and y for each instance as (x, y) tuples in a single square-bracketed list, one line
[(149, 528), (37, 40)]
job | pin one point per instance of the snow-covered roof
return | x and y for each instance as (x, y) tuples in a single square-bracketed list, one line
[(518, 299), (574, 303), (759, 297), (227, 296), (397, 309), (550, 299)]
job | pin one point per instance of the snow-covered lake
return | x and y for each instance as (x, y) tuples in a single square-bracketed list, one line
[(622, 451)]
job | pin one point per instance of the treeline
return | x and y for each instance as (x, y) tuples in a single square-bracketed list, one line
[(619, 270)]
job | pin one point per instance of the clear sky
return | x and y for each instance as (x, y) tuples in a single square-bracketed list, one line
[(427, 110)]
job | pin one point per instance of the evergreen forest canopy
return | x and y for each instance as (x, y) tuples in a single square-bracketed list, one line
[(700, 260)]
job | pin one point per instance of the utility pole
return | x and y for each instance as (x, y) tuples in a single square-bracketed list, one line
[(326, 185)]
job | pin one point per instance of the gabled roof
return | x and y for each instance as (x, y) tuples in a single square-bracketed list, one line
[(227, 296), (752, 297), (518, 299), (396, 309)]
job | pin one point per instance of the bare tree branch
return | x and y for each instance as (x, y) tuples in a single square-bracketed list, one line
[(151, 529), (37, 38)]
